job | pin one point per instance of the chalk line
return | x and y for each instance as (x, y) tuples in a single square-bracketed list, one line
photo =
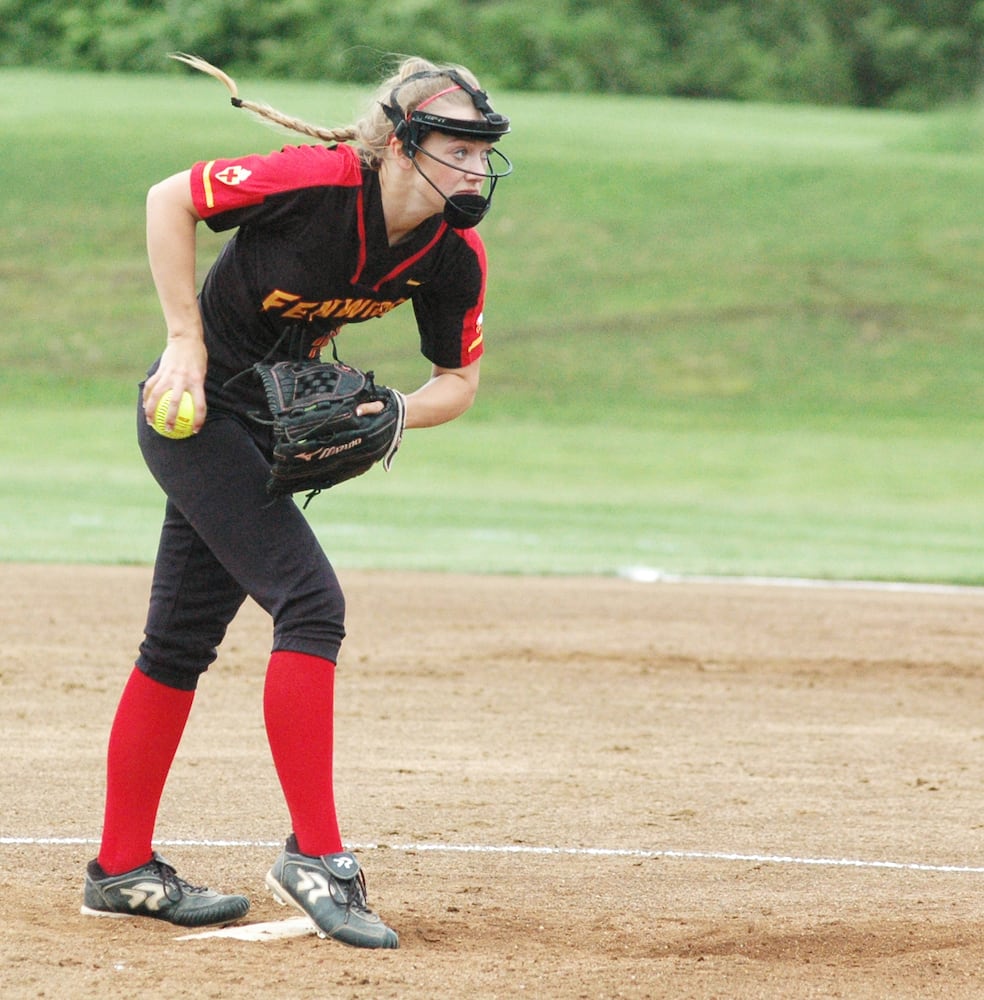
[(653, 574), (547, 851)]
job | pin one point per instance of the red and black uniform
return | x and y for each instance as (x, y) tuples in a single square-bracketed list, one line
[(310, 255)]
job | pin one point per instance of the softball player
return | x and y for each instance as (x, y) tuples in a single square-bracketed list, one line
[(374, 216)]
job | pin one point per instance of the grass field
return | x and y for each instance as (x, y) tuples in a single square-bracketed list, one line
[(721, 338)]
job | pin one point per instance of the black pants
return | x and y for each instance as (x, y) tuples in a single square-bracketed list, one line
[(223, 540)]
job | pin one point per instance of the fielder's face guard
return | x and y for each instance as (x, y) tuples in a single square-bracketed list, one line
[(465, 210)]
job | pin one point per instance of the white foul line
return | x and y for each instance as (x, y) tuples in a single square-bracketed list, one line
[(587, 852), (653, 574)]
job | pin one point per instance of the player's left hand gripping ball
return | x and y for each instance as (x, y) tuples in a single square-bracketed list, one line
[(184, 422)]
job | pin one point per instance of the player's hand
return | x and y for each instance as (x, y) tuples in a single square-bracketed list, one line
[(181, 369), (366, 408)]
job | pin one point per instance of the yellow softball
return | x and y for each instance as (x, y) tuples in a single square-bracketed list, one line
[(184, 421)]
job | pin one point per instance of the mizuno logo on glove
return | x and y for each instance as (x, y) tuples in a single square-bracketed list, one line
[(327, 451)]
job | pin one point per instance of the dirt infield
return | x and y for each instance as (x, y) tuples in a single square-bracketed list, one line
[(582, 788)]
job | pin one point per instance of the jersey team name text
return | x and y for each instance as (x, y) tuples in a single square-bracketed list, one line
[(291, 306)]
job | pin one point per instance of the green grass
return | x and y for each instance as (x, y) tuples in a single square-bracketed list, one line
[(722, 338)]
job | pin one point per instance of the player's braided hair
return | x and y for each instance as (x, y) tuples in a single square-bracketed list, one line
[(372, 132)]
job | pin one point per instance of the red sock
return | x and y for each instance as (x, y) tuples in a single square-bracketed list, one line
[(298, 707), (150, 719)]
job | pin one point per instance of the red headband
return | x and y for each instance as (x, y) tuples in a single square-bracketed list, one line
[(434, 97)]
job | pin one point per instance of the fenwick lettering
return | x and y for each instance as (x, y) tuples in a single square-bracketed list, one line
[(291, 306)]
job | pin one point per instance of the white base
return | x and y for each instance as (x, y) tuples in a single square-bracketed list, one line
[(269, 931)]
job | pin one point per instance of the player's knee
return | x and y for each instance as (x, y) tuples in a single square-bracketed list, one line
[(182, 673), (312, 620), (178, 657)]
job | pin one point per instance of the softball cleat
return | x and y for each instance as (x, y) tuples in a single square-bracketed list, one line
[(331, 891)]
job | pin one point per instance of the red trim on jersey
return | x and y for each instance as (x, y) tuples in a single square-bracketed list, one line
[(399, 269), (361, 215), (472, 338)]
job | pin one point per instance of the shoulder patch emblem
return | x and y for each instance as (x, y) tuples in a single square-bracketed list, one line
[(233, 175)]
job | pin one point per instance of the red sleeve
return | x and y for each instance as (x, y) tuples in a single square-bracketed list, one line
[(472, 340), (219, 186), (449, 309)]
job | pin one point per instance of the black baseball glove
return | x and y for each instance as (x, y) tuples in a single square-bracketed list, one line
[(318, 439)]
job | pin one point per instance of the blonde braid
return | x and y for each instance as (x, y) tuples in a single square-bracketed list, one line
[(371, 134), (347, 133)]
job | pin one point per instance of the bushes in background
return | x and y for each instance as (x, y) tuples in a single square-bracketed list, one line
[(911, 54)]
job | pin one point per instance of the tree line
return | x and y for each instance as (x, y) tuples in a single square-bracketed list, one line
[(905, 54)]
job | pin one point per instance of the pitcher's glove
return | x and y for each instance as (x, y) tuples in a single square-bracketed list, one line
[(318, 439)]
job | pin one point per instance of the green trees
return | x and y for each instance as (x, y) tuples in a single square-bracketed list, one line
[(879, 53)]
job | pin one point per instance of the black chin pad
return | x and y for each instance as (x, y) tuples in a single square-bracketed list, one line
[(463, 211)]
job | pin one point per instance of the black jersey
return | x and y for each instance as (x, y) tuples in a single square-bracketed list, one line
[(311, 254)]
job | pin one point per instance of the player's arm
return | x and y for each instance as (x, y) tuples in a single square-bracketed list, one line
[(446, 395), (171, 237)]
